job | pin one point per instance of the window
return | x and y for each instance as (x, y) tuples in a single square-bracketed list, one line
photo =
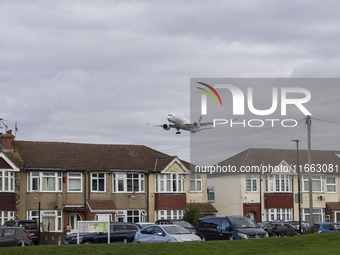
[(169, 214), (318, 215), (170, 183), (6, 216), (279, 214), (331, 186), (50, 220), (45, 182), (74, 181), (195, 183), (98, 181), (211, 194), (317, 183), (251, 183), (6, 181), (279, 183), (123, 183), (133, 216)]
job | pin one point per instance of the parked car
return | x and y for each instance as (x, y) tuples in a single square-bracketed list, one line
[(305, 226), (31, 226), (120, 232), (228, 228), (14, 236), (164, 234), (181, 223), (144, 224), (327, 227), (278, 229)]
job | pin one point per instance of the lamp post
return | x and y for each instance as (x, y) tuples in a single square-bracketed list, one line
[(299, 189)]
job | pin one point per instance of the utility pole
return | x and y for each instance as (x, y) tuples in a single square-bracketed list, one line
[(311, 218), (299, 181)]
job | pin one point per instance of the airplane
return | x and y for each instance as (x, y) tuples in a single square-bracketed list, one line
[(178, 123)]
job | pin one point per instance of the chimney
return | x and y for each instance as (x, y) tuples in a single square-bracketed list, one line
[(7, 141)]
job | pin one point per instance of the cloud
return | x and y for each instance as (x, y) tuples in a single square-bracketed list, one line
[(100, 71)]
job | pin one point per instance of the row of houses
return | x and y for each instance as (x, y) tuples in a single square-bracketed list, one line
[(69, 182), (265, 185)]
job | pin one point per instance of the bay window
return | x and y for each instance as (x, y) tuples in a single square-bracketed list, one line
[(51, 221), (279, 183), (6, 181), (279, 214), (170, 183)]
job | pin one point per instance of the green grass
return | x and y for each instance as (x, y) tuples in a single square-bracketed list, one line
[(327, 243)]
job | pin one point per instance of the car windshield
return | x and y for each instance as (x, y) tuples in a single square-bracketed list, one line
[(243, 223), (183, 224), (175, 230)]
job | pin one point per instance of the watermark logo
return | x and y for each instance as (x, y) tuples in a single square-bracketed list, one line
[(239, 99)]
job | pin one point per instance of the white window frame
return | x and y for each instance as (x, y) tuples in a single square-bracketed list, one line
[(211, 190), (97, 178), (315, 178), (252, 180), (123, 177), (6, 177), (330, 185), (195, 182), (317, 212), (169, 214), (278, 214), (39, 178), (279, 183), (165, 183), (6, 216), (134, 216), (57, 214), (74, 176)]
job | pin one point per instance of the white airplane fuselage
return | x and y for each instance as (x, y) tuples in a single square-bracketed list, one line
[(178, 121)]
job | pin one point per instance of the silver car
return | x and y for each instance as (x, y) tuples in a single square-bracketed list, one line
[(164, 234)]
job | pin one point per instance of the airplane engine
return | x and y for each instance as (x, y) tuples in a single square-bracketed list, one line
[(196, 125), (166, 127)]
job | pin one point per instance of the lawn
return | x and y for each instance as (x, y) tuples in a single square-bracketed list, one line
[(327, 243)]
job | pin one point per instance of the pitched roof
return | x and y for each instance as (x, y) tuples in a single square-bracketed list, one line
[(333, 206), (82, 156), (101, 205), (205, 207), (273, 157)]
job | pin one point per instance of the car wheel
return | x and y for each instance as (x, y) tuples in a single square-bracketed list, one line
[(88, 242)]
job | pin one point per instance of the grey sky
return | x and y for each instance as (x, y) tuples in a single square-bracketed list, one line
[(99, 71)]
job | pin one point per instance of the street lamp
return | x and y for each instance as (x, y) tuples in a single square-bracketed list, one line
[(299, 189)]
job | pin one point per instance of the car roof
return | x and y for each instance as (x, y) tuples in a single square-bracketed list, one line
[(328, 223), (11, 228)]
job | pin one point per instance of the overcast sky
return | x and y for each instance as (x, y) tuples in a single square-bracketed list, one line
[(100, 71)]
